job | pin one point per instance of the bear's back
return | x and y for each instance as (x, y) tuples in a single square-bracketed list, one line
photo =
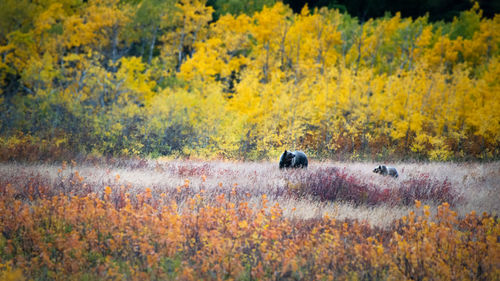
[(300, 160)]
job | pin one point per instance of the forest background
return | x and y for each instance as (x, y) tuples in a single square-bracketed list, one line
[(247, 79)]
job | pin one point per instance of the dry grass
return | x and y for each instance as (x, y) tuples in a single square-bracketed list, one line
[(477, 184)]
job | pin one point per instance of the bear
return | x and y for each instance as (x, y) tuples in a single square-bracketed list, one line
[(386, 170), (295, 159)]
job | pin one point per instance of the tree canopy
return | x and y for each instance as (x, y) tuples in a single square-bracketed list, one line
[(245, 80)]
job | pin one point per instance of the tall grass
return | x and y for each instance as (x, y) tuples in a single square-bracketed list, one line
[(335, 188)]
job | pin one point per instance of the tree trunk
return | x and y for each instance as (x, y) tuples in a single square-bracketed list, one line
[(152, 46)]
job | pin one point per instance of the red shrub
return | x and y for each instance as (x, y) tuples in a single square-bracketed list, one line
[(333, 184), (425, 188)]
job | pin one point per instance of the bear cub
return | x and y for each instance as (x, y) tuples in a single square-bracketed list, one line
[(386, 170), (295, 159)]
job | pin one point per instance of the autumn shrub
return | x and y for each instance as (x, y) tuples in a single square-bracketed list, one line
[(143, 238), (334, 184), (425, 188), (27, 148), (445, 247)]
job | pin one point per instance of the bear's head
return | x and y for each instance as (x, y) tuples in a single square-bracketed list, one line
[(286, 159), (378, 170)]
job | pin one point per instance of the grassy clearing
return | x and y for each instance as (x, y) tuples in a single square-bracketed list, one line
[(473, 186)]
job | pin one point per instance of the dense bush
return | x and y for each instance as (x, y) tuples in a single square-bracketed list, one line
[(334, 184), (144, 236), (425, 188)]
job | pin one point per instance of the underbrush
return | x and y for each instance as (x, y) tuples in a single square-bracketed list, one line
[(119, 235), (334, 184), (219, 223)]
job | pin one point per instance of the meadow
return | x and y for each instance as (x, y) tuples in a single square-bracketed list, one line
[(188, 220)]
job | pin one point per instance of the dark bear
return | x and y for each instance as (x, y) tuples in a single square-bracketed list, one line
[(295, 159), (386, 170)]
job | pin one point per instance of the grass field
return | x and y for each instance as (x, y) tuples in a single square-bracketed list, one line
[(475, 186), (248, 220)]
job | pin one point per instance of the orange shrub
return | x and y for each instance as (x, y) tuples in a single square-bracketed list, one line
[(116, 235)]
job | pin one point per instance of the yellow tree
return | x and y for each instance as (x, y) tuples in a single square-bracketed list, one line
[(222, 55), (151, 18), (190, 26), (270, 30)]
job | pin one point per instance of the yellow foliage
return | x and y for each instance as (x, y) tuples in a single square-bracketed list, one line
[(7, 273), (248, 86)]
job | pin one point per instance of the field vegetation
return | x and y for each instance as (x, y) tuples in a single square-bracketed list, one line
[(143, 219)]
